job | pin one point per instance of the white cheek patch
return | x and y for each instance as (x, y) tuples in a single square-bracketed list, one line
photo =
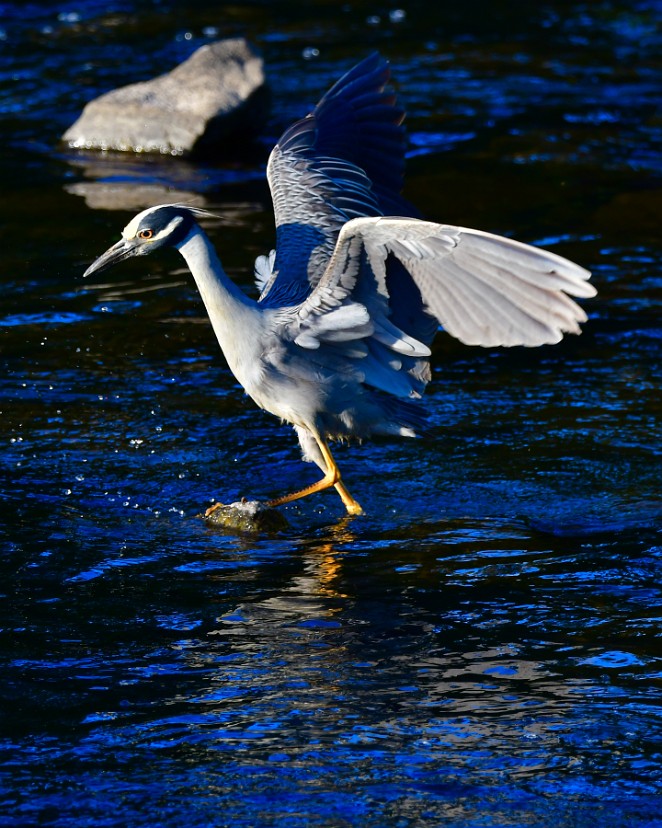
[(168, 229)]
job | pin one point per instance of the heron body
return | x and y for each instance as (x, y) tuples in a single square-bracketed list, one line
[(338, 344)]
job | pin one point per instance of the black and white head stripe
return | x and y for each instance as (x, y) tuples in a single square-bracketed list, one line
[(168, 224)]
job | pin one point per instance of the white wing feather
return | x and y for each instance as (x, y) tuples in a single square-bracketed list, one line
[(483, 289), (264, 270)]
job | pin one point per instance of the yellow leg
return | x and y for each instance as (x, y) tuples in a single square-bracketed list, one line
[(331, 478), (352, 506)]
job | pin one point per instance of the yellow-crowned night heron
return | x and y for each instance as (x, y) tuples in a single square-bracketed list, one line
[(338, 343)]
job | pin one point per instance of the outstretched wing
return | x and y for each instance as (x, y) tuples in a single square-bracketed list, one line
[(483, 289), (342, 161)]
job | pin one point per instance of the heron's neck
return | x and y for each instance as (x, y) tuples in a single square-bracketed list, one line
[(230, 311)]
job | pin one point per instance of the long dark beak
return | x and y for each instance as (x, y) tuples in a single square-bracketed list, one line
[(117, 253)]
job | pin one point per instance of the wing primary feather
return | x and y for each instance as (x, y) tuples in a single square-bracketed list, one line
[(540, 297), (561, 273)]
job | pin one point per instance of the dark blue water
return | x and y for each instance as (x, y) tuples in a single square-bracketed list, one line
[(483, 647)]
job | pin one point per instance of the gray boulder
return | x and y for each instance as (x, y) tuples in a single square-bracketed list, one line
[(220, 91)]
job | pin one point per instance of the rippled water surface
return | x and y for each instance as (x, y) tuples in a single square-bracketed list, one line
[(483, 647)]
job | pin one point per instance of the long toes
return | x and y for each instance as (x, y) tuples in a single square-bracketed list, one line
[(213, 508)]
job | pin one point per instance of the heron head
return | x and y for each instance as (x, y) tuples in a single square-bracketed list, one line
[(166, 225)]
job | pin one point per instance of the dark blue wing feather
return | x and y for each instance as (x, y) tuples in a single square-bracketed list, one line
[(343, 160)]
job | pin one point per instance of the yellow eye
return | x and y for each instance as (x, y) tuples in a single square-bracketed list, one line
[(145, 234)]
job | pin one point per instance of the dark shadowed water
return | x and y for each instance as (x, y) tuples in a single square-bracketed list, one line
[(484, 647)]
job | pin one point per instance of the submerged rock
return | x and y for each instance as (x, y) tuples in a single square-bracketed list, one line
[(218, 92), (246, 516)]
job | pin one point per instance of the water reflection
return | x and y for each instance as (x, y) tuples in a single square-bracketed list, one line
[(107, 195), (324, 673), (123, 181), (425, 676)]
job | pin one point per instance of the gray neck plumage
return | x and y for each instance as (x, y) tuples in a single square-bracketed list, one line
[(235, 317)]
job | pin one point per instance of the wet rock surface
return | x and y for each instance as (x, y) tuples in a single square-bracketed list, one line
[(249, 516), (220, 91)]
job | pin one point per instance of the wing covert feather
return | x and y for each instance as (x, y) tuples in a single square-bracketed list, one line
[(342, 161), (483, 289)]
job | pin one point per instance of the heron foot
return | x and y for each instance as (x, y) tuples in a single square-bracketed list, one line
[(325, 483), (212, 509), (332, 479), (353, 507)]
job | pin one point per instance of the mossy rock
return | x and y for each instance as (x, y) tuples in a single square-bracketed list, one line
[(246, 516)]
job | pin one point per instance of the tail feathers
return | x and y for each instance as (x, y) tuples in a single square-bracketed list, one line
[(404, 417)]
